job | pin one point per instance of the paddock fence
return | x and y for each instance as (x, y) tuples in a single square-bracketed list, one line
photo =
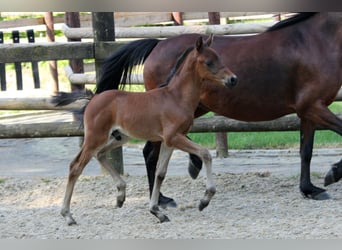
[(99, 50)]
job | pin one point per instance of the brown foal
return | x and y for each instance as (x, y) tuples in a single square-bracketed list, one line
[(164, 114)]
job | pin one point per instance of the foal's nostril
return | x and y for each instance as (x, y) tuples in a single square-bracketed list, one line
[(232, 81)]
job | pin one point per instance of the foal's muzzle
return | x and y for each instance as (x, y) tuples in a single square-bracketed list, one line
[(231, 81)]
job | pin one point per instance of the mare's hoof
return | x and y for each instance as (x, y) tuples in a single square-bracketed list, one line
[(166, 202), (318, 196), (195, 166), (322, 196), (332, 176), (193, 170), (202, 205)]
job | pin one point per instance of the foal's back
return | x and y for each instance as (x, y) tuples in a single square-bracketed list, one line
[(139, 115)]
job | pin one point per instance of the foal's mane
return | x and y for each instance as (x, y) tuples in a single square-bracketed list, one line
[(174, 69), (292, 20)]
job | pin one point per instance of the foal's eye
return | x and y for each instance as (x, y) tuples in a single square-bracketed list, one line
[(209, 63)]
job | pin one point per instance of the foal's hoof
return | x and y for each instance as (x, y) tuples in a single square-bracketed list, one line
[(156, 212), (119, 204), (165, 202), (332, 176), (164, 219), (71, 222)]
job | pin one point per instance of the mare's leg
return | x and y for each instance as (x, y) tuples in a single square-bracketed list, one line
[(102, 158), (183, 143), (163, 161), (76, 168), (307, 132), (317, 115), (151, 154)]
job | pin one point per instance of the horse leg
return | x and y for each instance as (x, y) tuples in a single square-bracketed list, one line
[(195, 166), (165, 153), (317, 115), (76, 168), (183, 143), (102, 158), (151, 154), (308, 190)]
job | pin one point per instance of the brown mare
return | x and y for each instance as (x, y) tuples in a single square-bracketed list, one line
[(293, 67), (164, 114)]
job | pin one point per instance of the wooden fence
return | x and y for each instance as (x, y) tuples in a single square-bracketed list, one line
[(12, 53)]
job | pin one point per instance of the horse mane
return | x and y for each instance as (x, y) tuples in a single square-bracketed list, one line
[(174, 69), (292, 20)]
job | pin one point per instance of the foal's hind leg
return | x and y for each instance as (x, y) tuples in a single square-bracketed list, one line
[(101, 157), (76, 168)]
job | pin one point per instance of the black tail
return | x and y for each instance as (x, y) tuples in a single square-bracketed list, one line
[(117, 68), (65, 98)]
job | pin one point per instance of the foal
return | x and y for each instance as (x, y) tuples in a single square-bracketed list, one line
[(165, 114)]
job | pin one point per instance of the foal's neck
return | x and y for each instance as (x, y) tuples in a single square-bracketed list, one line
[(186, 83)]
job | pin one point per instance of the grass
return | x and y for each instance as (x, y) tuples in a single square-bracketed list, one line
[(272, 140)]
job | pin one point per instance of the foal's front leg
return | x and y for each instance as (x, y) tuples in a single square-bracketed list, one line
[(181, 142), (163, 161)]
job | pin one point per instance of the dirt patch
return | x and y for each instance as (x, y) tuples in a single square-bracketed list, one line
[(247, 205)]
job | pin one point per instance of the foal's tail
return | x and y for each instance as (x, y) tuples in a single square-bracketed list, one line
[(66, 98), (117, 68)]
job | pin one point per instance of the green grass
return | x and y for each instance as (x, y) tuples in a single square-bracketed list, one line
[(271, 140)]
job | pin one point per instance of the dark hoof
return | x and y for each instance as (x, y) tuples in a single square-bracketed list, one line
[(318, 196), (195, 166), (322, 196), (164, 219), (203, 204), (156, 212), (119, 204), (332, 176), (165, 202)]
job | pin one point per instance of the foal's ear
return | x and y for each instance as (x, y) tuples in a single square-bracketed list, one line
[(210, 40), (199, 44)]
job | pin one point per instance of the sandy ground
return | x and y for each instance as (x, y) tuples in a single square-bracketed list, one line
[(257, 196)]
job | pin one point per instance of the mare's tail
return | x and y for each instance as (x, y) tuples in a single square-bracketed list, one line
[(117, 68)]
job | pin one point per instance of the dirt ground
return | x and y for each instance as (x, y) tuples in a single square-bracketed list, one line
[(257, 197)]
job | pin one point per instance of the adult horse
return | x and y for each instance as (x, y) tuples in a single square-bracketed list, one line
[(293, 67), (163, 114)]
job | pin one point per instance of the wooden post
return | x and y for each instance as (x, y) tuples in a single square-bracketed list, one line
[(72, 19), (34, 64), (17, 65), (2, 67), (177, 18), (220, 137), (103, 28), (214, 17), (50, 36)]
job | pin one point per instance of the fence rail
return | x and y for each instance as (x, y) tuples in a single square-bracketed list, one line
[(202, 124)]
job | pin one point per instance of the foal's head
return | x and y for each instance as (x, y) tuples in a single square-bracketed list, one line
[(209, 65)]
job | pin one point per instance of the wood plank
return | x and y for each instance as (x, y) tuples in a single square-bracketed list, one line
[(203, 124), (10, 53)]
